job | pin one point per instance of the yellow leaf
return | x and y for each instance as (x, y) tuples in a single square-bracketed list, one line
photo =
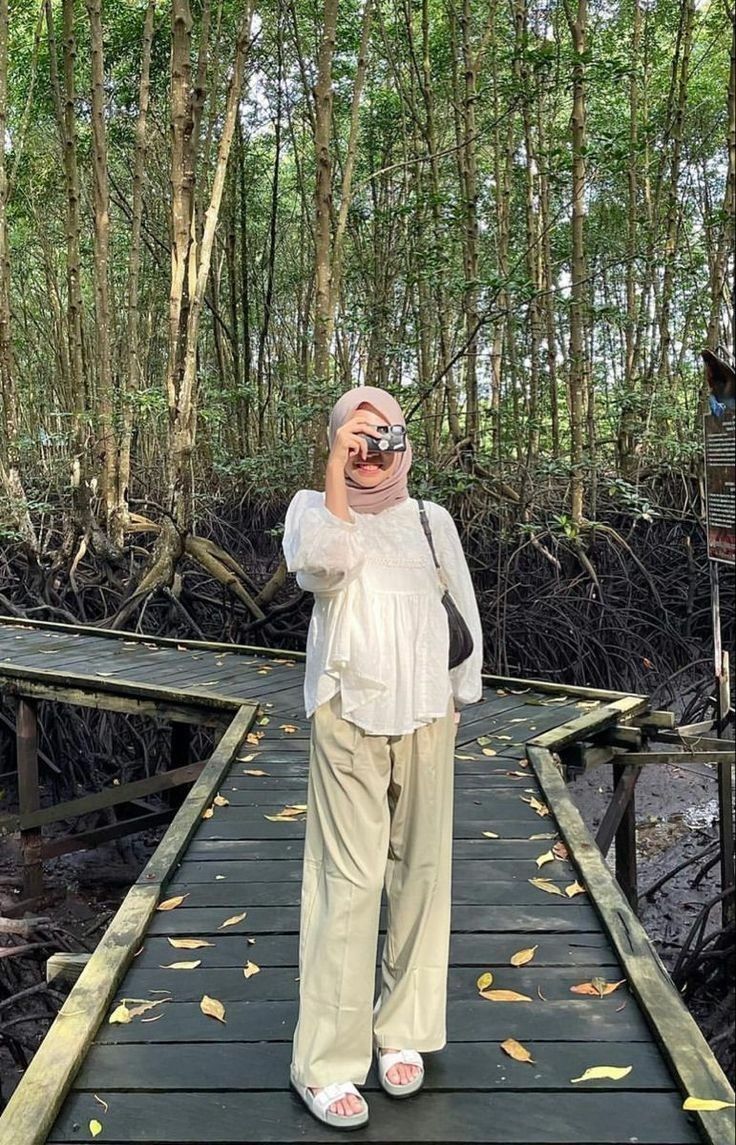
[(491, 835), (516, 1051), (504, 996), (145, 1006), (485, 980), (221, 801), (253, 739), (546, 885), (265, 719), (212, 1007), (250, 969), (597, 987), (95, 1128), (574, 889), (236, 918), (488, 751), (544, 835), (464, 756), (523, 956), (189, 943), (180, 965), (709, 1103), (246, 771), (246, 758), (288, 728), (280, 818), (296, 807), (614, 1072), (547, 857), (169, 904), (208, 813), (120, 1014)]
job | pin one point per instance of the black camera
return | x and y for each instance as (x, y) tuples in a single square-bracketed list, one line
[(389, 439)]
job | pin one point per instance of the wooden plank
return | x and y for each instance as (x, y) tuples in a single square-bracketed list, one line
[(481, 951), (625, 777), (674, 758), (189, 815), (32, 1107), (10, 622), (492, 1118), (471, 1020), (552, 686), (108, 797), (557, 914), (86, 840), (290, 870), (458, 1067), (687, 1051), (235, 828), (29, 794), (589, 724), (217, 849)]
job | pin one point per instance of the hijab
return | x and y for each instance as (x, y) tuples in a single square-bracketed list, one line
[(393, 489)]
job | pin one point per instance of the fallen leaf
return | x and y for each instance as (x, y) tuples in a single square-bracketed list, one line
[(560, 850), (236, 918), (516, 1051), (485, 980), (180, 965), (245, 758), (121, 1014), (709, 1103), (250, 969), (212, 1007), (491, 835), (489, 751), (253, 772), (264, 719), (145, 1006), (220, 876), (574, 889), (170, 904), (523, 956), (221, 801), (288, 728), (504, 996), (253, 739), (598, 987), (95, 1128), (208, 812), (464, 756), (189, 943), (546, 885), (545, 835), (104, 1104), (615, 1073), (547, 857)]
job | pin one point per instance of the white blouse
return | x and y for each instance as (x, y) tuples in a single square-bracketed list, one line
[(378, 632)]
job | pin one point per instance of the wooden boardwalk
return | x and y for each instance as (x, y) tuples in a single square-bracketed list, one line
[(175, 1075)]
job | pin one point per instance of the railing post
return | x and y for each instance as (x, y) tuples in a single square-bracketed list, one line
[(180, 749), (29, 795), (626, 842)]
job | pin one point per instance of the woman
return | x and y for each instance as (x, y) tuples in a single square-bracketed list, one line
[(384, 708)]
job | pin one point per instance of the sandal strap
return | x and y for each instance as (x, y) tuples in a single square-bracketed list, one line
[(333, 1092), (405, 1057)]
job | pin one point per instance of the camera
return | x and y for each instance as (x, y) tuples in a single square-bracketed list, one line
[(389, 439)]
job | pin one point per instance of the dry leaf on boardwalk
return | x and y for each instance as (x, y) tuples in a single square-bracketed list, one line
[(253, 771), (212, 1007), (490, 835), (485, 980), (236, 918), (95, 1128), (547, 857), (208, 812), (560, 850), (221, 801), (189, 943), (540, 808), (180, 965), (523, 956), (516, 1051), (544, 835), (288, 728), (504, 996), (598, 987), (706, 1103), (250, 969), (546, 885), (596, 1072), (574, 889), (489, 751), (170, 904)]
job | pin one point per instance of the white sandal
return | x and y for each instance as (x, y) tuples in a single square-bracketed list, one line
[(317, 1103), (398, 1057)]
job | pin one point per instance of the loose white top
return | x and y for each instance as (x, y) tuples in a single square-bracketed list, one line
[(378, 632)]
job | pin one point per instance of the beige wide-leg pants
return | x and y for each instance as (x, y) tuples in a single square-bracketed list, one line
[(379, 812)]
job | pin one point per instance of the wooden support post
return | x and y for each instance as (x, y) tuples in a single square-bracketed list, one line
[(29, 795), (181, 739), (626, 836)]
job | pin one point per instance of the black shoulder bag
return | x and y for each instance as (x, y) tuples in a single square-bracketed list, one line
[(461, 642)]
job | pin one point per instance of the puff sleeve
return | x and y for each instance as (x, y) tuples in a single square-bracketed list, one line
[(467, 685), (323, 550)]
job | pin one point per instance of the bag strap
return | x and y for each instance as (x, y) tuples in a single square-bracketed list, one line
[(428, 535)]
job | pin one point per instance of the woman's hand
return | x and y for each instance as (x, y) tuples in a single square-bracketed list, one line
[(347, 441)]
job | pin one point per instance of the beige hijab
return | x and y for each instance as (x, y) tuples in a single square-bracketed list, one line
[(393, 489)]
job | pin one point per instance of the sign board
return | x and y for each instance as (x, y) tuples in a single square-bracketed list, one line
[(720, 485)]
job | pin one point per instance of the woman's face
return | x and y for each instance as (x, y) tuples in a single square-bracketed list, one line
[(374, 469)]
